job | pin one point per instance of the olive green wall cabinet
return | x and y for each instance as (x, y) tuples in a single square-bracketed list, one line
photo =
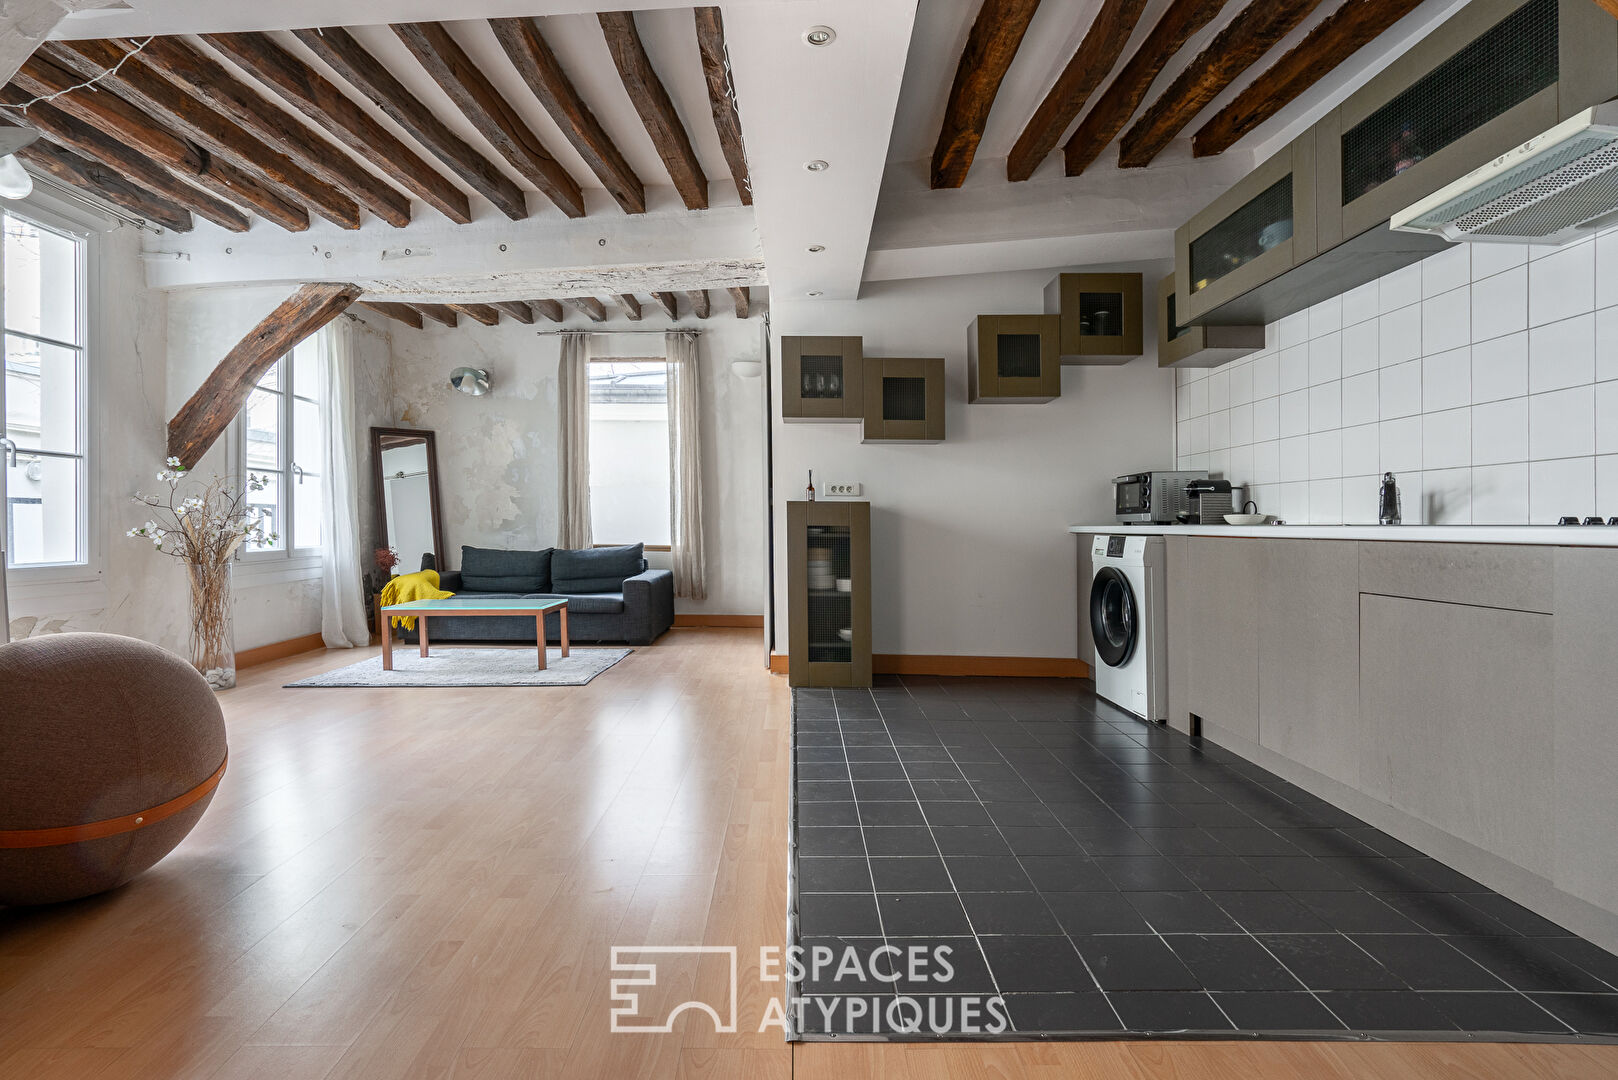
[(904, 399), (822, 379), (1198, 346), (829, 625), (1101, 316), (1014, 358)]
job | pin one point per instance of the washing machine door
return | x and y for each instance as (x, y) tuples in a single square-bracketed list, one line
[(1114, 616)]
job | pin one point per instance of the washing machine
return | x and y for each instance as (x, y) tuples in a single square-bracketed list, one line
[(1128, 613)]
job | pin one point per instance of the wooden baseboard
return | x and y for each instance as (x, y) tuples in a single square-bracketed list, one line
[(279, 650), (698, 618), (1025, 667)]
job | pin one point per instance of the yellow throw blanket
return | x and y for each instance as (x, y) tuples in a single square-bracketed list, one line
[(422, 585)]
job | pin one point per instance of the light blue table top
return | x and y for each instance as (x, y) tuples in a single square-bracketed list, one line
[(453, 604)]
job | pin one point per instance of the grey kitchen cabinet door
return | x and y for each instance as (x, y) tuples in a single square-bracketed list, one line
[(1222, 648)]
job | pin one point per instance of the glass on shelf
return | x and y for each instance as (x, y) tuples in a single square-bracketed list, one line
[(822, 377)]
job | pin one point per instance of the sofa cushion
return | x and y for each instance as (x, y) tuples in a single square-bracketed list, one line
[(496, 570), (602, 603), (594, 570)]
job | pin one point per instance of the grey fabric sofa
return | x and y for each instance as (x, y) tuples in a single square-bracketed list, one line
[(610, 592)]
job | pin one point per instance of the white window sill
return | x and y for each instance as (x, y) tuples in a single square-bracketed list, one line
[(255, 570), (55, 590)]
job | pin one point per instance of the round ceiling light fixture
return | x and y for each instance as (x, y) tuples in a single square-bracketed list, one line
[(470, 380), (816, 249), (815, 292), (816, 165), (819, 36)]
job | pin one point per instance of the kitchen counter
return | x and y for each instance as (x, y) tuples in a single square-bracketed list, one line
[(1546, 535)]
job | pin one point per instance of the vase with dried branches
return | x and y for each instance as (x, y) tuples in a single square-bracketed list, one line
[(204, 531)]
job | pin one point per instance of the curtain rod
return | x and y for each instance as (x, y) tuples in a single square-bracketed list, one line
[(670, 330)]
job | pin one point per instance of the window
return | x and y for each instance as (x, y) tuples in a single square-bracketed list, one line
[(45, 412), (629, 452), (281, 440)]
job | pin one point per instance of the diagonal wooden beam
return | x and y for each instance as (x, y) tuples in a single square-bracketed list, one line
[(551, 309), (95, 143), (486, 314), (741, 296), (1112, 111), (589, 305), (699, 302), (329, 109), (1093, 61), (222, 394), (516, 309), (669, 303), (531, 54), (349, 59), (1609, 6), (439, 313), (400, 312), (210, 82), (991, 45), (722, 98), (656, 109), (103, 182), (1237, 47), (630, 305), (1337, 37), (108, 112), (490, 113), (167, 104)]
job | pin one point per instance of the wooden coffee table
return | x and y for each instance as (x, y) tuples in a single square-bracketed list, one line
[(467, 605)]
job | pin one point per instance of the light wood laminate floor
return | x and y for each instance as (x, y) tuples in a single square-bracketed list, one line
[(427, 883)]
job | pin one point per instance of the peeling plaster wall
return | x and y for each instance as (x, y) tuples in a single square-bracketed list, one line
[(498, 453)]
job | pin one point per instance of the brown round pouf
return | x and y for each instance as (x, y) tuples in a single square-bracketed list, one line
[(110, 750)]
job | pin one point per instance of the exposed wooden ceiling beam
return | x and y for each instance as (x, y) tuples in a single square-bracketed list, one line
[(991, 45), (1334, 39), (222, 394), (699, 302), (741, 296), (1129, 87), (209, 81), (106, 111), (1609, 6), (439, 313), (104, 182), (551, 309), (630, 305), (722, 98), (95, 143), (531, 54), (328, 108), (593, 308), (516, 309), (1237, 47), (656, 109), (490, 113), (179, 112), (669, 303), (400, 312), (1094, 59), (487, 314), (338, 48)]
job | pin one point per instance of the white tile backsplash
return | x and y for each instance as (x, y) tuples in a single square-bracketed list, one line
[(1485, 378)]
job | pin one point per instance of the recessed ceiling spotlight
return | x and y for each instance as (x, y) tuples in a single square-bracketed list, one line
[(816, 249), (815, 292), (819, 36), (817, 165)]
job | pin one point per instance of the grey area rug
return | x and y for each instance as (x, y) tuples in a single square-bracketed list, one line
[(473, 667)]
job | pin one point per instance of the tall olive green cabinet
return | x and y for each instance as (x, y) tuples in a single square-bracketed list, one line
[(829, 586)]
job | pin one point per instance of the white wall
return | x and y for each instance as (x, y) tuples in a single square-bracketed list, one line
[(1485, 378), (498, 453), (970, 552)]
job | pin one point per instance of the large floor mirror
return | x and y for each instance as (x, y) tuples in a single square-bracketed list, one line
[(407, 514)]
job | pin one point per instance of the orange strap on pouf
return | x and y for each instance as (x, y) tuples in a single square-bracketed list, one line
[(97, 830)]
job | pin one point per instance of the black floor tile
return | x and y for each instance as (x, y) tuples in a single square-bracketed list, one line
[(833, 874), (1065, 873), (1529, 964), (1386, 1010), (1427, 963), (970, 840), (816, 840), (1270, 912), (1183, 912), (1036, 964), (1590, 1014), (988, 873), (1111, 840), (1592, 958), (828, 813), (1134, 962), (1220, 873), (915, 873), (900, 840), (1356, 913), (1514, 915), (1041, 841), (1277, 1011), (1505, 1011), (1062, 1012), (883, 791), (891, 813), (1021, 815), (1438, 913), (956, 813), (1096, 913), (1189, 842), (1231, 962), (1143, 873), (838, 915), (1251, 841), (923, 914), (825, 791), (1160, 1012), (1009, 913), (1330, 962), (947, 965), (1302, 874)]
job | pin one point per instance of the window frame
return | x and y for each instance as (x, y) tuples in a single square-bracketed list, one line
[(633, 360), (83, 575), (287, 562)]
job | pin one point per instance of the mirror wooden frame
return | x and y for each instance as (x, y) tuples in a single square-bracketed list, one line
[(379, 438)]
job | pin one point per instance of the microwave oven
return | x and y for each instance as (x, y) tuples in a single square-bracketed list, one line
[(1153, 498)]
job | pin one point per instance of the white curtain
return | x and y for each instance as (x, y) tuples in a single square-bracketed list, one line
[(342, 605), (685, 465), (573, 527)]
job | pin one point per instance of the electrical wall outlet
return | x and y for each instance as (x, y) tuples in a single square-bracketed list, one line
[(843, 491)]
